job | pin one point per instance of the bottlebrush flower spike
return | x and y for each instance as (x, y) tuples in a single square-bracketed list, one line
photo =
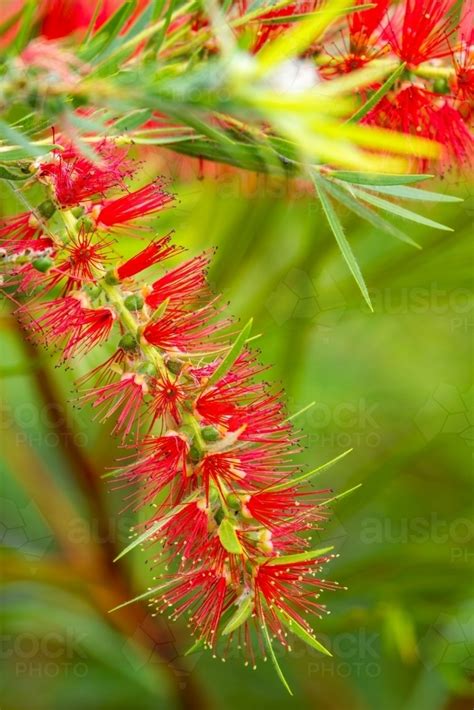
[(148, 200), (424, 32), (212, 466)]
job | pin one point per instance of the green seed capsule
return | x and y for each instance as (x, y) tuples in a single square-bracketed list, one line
[(195, 454), (174, 366), (134, 302), (42, 264), (210, 433), (440, 86), (111, 278), (128, 343), (92, 291), (47, 209)]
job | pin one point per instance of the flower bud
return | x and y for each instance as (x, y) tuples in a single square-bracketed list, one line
[(134, 302), (111, 277), (174, 366), (440, 86), (210, 433), (42, 264), (46, 209), (233, 501), (128, 342), (147, 368)]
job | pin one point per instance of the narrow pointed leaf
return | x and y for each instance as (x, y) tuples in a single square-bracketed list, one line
[(144, 595), (239, 617), (227, 362), (274, 658), (309, 475), (301, 632), (379, 94), (341, 240), (400, 211), (413, 193), (299, 557), (199, 643), (342, 495), (378, 179)]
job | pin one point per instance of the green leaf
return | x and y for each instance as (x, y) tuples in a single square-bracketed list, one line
[(153, 529), (342, 495), (274, 658), (379, 94), (11, 135), (414, 193), (13, 172), (26, 26), (309, 475), (240, 616), (298, 557), (343, 195), (400, 211), (301, 632), (145, 595), (341, 240), (296, 40), (227, 362), (102, 39), (199, 643), (378, 179), (228, 537), (132, 120)]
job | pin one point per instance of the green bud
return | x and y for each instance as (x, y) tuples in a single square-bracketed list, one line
[(87, 223), (128, 342), (46, 209), (43, 264), (233, 501), (440, 86), (111, 278), (174, 366), (77, 211), (219, 516), (147, 368), (92, 291), (134, 302), (195, 454), (210, 433)]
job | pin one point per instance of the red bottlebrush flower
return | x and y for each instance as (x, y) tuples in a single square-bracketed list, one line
[(61, 18), (424, 32), (67, 319), (202, 594), (183, 331), (123, 398), (186, 531), (168, 398), (75, 178), (148, 200), (155, 252), (182, 285), (85, 255), (292, 588), (21, 232), (274, 22), (163, 462), (414, 110), (463, 84), (363, 25)]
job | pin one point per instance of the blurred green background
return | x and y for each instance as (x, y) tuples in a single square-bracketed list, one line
[(394, 385)]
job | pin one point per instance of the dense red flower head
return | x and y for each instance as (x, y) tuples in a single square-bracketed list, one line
[(364, 25), (157, 251), (184, 331), (150, 199), (416, 111), (22, 232), (122, 400), (291, 588), (76, 178), (162, 463), (424, 31), (182, 286), (203, 595)]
